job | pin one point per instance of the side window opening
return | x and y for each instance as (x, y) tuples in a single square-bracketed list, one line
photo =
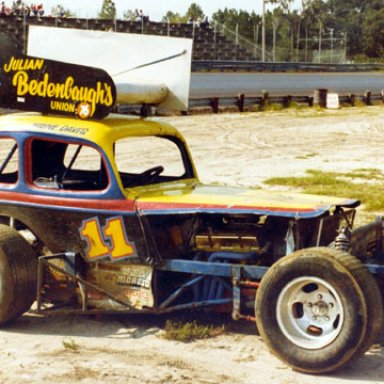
[(69, 166), (9, 161), (84, 164)]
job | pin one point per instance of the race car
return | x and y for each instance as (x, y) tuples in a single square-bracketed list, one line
[(105, 213)]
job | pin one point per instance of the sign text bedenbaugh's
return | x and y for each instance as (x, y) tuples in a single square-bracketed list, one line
[(67, 92)]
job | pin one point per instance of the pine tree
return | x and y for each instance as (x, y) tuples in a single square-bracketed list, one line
[(108, 10)]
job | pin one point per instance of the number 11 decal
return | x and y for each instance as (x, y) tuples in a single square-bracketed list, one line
[(106, 241)]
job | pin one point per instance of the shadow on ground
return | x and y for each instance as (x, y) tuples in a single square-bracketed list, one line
[(135, 326)]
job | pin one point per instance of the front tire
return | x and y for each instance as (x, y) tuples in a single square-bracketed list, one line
[(18, 275), (317, 309)]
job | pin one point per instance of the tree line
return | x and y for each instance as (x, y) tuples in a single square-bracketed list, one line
[(359, 23)]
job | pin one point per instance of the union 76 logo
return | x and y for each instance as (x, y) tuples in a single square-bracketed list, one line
[(109, 240)]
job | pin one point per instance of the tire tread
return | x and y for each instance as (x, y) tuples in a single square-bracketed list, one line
[(22, 264)]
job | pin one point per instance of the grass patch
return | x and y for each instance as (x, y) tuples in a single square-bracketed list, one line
[(190, 331), (366, 173), (341, 185), (359, 103), (71, 345), (296, 105), (269, 107), (307, 156)]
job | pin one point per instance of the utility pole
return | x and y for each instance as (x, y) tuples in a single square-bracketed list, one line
[(256, 38), (263, 32), (275, 24), (320, 32), (237, 39), (298, 43)]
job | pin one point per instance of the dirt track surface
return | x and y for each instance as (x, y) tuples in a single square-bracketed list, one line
[(236, 150)]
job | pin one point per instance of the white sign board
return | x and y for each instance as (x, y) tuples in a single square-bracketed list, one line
[(333, 101), (127, 58)]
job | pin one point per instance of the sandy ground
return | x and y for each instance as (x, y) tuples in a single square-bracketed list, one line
[(236, 150)]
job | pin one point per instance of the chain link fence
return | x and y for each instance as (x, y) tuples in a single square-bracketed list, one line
[(322, 49)]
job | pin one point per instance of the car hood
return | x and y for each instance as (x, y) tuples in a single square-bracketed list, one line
[(192, 197)]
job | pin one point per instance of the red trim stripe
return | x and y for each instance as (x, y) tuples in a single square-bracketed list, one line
[(124, 205), (61, 201)]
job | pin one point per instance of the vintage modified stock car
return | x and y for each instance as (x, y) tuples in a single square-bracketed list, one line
[(108, 215), (93, 223)]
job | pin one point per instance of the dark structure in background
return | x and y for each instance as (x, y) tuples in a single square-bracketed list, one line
[(208, 44)]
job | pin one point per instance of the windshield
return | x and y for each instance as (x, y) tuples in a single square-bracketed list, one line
[(151, 159)]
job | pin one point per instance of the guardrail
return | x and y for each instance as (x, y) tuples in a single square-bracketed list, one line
[(242, 102), (217, 65)]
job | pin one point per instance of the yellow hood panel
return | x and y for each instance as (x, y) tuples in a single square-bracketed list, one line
[(197, 197)]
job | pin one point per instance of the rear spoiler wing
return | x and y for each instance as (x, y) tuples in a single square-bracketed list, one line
[(87, 73), (146, 69)]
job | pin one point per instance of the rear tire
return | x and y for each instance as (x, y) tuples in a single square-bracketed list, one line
[(317, 309), (18, 275)]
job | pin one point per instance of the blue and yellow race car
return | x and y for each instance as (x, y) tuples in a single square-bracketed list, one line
[(107, 214)]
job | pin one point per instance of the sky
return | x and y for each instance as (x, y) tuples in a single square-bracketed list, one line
[(155, 9)]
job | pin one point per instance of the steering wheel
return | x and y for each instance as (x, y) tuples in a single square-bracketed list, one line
[(151, 173)]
